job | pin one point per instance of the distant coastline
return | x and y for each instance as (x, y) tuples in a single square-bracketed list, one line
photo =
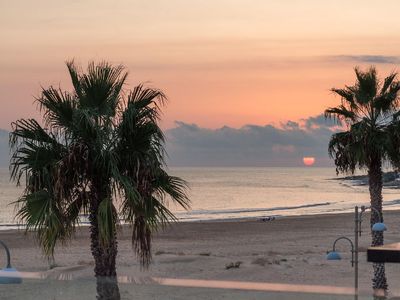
[(390, 180)]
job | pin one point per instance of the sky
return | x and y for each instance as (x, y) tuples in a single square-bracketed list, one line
[(235, 64)]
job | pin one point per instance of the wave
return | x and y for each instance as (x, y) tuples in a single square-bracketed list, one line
[(250, 210), (196, 215), (391, 202)]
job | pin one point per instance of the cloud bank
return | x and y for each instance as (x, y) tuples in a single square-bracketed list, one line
[(372, 59), (251, 145), (248, 146)]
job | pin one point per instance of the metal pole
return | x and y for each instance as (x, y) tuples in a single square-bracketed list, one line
[(356, 231), (7, 253)]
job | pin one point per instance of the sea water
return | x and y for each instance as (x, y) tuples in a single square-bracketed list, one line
[(221, 193), (232, 193)]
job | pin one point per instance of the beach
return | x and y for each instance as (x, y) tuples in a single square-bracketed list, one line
[(286, 250)]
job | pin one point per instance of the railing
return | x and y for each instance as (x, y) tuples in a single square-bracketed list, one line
[(37, 285)]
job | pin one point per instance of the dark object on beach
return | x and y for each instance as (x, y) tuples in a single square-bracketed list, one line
[(370, 111), (99, 144), (267, 219), (233, 265)]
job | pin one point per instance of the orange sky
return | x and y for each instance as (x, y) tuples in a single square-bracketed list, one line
[(225, 62)]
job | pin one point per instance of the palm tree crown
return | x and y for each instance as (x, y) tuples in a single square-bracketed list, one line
[(369, 109), (101, 153)]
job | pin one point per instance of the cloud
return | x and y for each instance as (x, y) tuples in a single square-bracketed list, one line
[(373, 59), (291, 125), (319, 122), (262, 63), (250, 145)]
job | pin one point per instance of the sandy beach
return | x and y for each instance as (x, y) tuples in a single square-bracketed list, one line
[(287, 250)]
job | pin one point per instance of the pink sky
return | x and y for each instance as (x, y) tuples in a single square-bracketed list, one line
[(226, 62)]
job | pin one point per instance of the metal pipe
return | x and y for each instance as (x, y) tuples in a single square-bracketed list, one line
[(357, 230), (378, 212), (363, 209), (7, 253), (343, 238)]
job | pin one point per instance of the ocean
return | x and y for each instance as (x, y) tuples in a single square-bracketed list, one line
[(234, 193)]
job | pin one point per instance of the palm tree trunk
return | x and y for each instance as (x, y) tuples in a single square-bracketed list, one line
[(107, 288), (104, 258), (379, 282)]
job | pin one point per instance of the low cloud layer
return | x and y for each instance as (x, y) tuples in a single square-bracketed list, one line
[(372, 59), (251, 145)]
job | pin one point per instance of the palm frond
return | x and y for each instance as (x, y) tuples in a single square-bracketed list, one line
[(107, 220), (347, 96), (74, 73), (388, 82), (392, 143), (40, 213), (33, 148), (141, 240), (101, 87), (29, 130), (340, 113), (58, 108), (366, 86), (174, 187), (387, 100)]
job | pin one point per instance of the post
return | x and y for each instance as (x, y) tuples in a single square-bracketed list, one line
[(356, 232)]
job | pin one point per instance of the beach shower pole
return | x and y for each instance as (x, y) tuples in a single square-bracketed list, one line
[(356, 232)]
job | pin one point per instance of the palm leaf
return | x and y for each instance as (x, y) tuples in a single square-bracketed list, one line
[(40, 213), (107, 219)]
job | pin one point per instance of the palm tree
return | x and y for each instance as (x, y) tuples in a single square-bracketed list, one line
[(369, 108), (101, 153)]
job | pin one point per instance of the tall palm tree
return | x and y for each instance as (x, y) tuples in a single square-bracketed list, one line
[(101, 153), (369, 108)]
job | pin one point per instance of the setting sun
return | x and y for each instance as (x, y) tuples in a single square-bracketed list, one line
[(308, 161)]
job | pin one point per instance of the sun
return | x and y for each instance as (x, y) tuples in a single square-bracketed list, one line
[(308, 160)]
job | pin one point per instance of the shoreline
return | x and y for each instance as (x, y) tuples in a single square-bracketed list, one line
[(224, 220), (221, 220)]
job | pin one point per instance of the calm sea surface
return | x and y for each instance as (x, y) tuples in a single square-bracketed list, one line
[(221, 193)]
